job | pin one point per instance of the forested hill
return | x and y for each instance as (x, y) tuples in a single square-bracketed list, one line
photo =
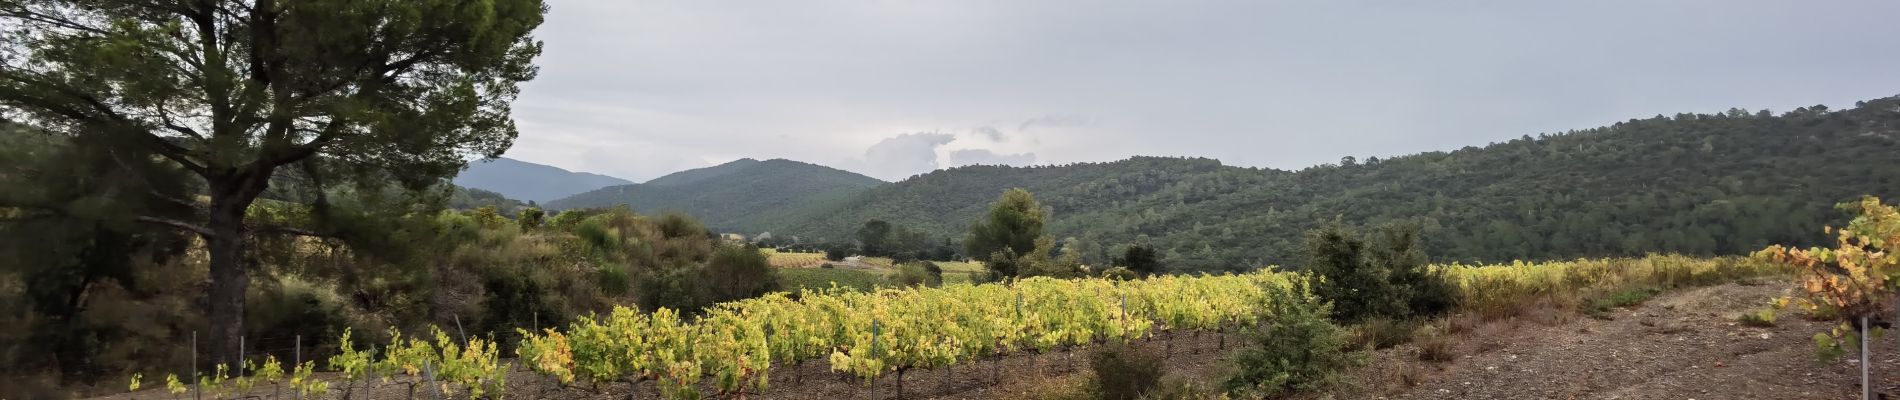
[(529, 181), (735, 196), (1726, 183)]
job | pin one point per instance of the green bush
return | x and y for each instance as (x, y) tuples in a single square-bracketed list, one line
[(1123, 372), (567, 219), (530, 218), (595, 233), (676, 225), (913, 274), (736, 272), (1599, 306), (613, 280), (1385, 275), (1296, 347), (671, 287)]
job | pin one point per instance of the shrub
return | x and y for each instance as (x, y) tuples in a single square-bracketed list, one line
[(670, 286), (835, 253), (1759, 318), (1173, 388), (567, 219), (918, 274), (594, 232), (1357, 290), (737, 272), (676, 225), (530, 218), (1381, 333), (1123, 372), (1385, 275), (1435, 347), (1139, 259), (613, 280), (1600, 306), (1120, 274), (1296, 347)]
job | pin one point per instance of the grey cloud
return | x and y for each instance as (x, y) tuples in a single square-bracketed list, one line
[(964, 157), (651, 87), (990, 132)]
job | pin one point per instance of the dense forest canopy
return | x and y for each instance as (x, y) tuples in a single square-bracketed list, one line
[(1701, 184)]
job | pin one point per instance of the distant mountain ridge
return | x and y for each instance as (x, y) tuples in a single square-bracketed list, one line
[(1701, 184), (734, 196), (701, 174), (528, 181)]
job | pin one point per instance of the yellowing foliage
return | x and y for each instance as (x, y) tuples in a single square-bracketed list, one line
[(1857, 275)]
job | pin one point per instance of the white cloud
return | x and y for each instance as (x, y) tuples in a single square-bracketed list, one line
[(901, 156)]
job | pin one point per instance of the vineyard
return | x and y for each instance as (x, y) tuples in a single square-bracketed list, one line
[(734, 348), (785, 259)]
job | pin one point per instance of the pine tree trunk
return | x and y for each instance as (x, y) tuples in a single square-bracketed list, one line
[(231, 196)]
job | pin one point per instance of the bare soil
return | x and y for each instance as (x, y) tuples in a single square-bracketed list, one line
[(1684, 344)]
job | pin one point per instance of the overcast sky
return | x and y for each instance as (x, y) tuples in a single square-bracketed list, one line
[(641, 88)]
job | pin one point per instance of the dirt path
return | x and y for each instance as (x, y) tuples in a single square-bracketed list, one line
[(1681, 345)]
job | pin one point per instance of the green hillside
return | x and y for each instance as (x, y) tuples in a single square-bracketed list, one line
[(738, 196), (1692, 183), (701, 174)]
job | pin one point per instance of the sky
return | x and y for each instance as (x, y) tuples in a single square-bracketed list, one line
[(887, 88)]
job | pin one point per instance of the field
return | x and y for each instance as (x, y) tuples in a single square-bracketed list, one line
[(796, 279), (781, 259), (961, 271)]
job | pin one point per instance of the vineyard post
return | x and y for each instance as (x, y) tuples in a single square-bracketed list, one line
[(428, 373), (1124, 317), (297, 361), (194, 365), (1866, 335), (458, 328)]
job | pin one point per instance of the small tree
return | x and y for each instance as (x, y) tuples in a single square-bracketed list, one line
[(1357, 289), (1009, 230), (1296, 347), (1382, 276), (873, 238), (1395, 248), (1857, 277), (1140, 259), (836, 252), (1044, 261)]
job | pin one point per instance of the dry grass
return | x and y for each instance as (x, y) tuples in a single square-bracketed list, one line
[(1437, 348)]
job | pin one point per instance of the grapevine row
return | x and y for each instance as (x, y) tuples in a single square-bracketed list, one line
[(871, 334)]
